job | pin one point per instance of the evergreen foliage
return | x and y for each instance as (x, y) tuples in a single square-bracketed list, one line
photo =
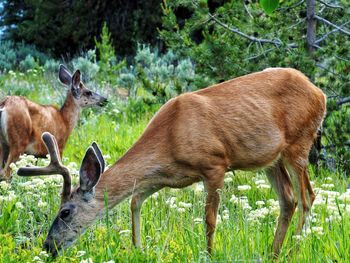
[(67, 27)]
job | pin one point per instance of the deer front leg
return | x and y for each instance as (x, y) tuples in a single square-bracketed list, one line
[(136, 203), (211, 209)]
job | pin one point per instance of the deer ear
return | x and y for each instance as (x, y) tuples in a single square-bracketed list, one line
[(90, 170), (99, 155), (76, 79), (76, 84), (64, 76)]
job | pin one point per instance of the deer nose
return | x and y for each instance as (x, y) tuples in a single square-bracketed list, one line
[(103, 102), (49, 248)]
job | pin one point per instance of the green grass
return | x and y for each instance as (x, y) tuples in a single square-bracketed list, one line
[(172, 230)]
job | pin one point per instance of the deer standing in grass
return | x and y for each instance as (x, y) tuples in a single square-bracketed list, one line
[(22, 121), (267, 119)]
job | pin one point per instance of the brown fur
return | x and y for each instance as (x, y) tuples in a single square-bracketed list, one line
[(265, 119)]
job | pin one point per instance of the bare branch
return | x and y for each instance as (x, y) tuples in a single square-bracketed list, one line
[(343, 101), (331, 32), (246, 9), (329, 5), (297, 23), (277, 42), (333, 25), (261, 54)]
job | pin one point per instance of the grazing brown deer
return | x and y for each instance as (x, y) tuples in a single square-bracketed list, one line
[(265, 119), (22, 121)]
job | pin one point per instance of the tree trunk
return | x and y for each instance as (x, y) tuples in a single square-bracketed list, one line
[(311, 24)]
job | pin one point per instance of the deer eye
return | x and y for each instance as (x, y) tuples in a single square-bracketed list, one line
[(64, 213), (88, 93)]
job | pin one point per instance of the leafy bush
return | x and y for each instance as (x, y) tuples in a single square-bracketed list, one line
[(156, 77), (20, 56), (28, 63), (87, 64), (8, 56), (51, 65)]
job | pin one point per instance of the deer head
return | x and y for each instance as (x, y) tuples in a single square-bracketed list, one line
[(79, 208), (83, 96)]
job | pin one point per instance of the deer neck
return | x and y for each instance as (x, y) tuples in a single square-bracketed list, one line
[(70, 112), (134, 173)]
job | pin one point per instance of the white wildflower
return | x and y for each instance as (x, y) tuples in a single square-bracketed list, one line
[(257, 182), (155, 195), (233, 199), (244, 188), (89, 260), (19, 205), (198, 188), (327, 186), (230, 173), (42, 204), (260, 203), (185, 205), (218, 219), (81, 253), (126, 231), (43, 253), (228, 180), (263, 186), (297, 237), (181, 209), (107, 157), (226, 214), (198, 220), (4, 185), (171, 202), (345, 197), (110, 261), (37, 259), (317, 229)]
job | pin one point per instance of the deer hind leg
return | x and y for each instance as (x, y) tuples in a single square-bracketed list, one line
[(4, 152), (12, 157), (304, 192), (18, 139), (213, 185), (282, 184), (296, 159)]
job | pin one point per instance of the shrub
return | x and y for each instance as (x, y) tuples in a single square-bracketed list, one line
[(8, 56), (158, 77), (20, 56), (28, 63), (87, 64), (51, 65)]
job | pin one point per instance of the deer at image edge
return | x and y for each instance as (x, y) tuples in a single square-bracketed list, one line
[(22, 121)]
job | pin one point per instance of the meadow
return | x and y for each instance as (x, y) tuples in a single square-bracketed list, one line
[(172, 220)]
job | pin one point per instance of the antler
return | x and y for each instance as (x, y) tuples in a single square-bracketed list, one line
[(55, 166)]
